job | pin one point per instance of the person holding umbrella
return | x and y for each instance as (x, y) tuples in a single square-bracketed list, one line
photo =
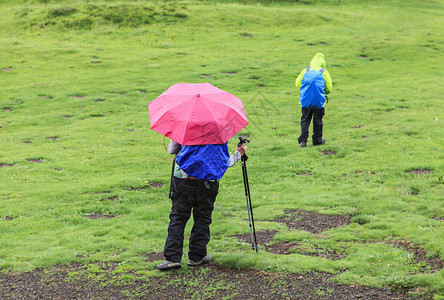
[(199, 119)]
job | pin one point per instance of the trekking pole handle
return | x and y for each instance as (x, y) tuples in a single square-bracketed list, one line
[(241, 142)]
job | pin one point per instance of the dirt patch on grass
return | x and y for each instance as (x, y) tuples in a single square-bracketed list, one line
[(286, 247), (5, 165), (213, 282), (365, 172), (311, 221), (433, 264), (7, 108), (328, 152), (100, 216), (155, 256), (265, 238), (52, 138), (138, 188), (111, 199), (146, 187), (358, 126), (157, 184), (35, 160), (7, 218), (420, 171)]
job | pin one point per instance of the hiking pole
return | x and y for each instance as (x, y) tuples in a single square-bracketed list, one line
[(247, 196)]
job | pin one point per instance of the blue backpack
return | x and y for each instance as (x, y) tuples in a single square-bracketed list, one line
[(312, 89), (207, 162)]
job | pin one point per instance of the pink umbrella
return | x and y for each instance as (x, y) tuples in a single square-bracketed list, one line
[(197, 114)]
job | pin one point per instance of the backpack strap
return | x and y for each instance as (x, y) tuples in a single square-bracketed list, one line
[(322, 70), (308, 69)]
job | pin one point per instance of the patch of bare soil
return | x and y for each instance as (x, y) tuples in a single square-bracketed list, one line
[(137, 188), (419, 255), (27, 142), (157, 184), (111, 199), (4, 165), (7, 108), (328, 152), (365, 172), (311, 221), (206, 282), (53, 138), (99, 216), (264, 239), (35, 160), (7, 218), (420, 171), (152, 257), (295, 247)]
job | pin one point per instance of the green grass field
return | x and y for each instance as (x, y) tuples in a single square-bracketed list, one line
[(75, 81)]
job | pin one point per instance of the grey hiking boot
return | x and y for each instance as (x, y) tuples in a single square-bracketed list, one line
[(206, 260), (168, 265), (303, 144)]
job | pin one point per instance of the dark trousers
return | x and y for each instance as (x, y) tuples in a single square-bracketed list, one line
[(188, 196), (307, 115)]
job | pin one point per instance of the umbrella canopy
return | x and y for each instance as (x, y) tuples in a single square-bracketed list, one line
[(197, 114)]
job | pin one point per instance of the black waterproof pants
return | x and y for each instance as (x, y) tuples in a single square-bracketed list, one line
[(190, 196), (307, 115)]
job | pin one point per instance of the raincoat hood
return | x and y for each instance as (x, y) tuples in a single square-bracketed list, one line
[(318, 61)]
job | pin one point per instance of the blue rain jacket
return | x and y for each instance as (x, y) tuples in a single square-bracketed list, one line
[(207, 162)]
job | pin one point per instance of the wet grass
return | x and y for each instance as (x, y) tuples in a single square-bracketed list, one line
[(74, 124)]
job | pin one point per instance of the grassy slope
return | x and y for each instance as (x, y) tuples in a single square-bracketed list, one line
[(384, 60)]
